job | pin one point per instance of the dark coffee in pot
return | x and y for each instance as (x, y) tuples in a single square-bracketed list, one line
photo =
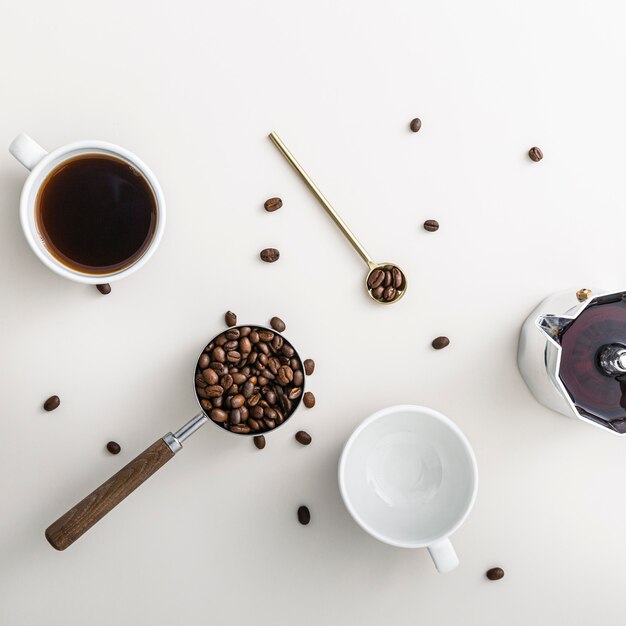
[(96, 213)]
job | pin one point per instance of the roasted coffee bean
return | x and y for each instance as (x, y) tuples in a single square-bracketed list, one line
[(239, 378), (253, 358), (294, 393), (113, 447), (231, 345), (218, 415), (219, 368), (257, 412), (210, 376), (233, 356), (263, 347), (259, 442), (288, 351), (308, 400), (309, 366), (270, 397), (535, 154), (431, 225), (304, 515), (245, 413), (396, 274), (277, 343), (104, 289), (294, 364), (495, 573), (269, 413), (200, 382), (226, 382), (254, 336), (269, 423), (239, 428), (231, 334), (376, 278), (214, 390), (221, 340), (52, 403), (298, 378), (440, 342), (218, 354), (270, 255), (202, 393), (388, 279), (415, 124), (303, 437), (277, 324), (206, 404), (247, 390), (235, 416), (245, 345), (203, 361), (217, 402), (378, 292), (237, 401), (273, 204), (285, 374), (244, 331), (390, 293), (230, 318), (254, 425), (266, 335)]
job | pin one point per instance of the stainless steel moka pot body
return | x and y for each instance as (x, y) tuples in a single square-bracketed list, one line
[(572, 356)]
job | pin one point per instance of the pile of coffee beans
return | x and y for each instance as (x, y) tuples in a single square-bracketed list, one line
[(249, 379), (386, 283)]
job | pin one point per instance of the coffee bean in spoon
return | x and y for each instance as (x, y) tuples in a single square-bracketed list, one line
[(52, 403), (304, 515), (277, 324), (495, 573), (273, 204), (387, 283), (104, 289), (113, 447), (270, 255), (431, 225), (440, 342)]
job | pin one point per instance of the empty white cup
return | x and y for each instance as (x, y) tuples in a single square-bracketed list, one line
[(408, 477)]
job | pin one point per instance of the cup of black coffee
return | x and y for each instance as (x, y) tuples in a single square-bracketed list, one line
[(91, 211)]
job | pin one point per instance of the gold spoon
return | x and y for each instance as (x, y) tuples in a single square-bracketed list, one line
[(385, 282)]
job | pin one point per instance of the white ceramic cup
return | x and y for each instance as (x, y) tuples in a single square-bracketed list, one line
[(408, 477), (40, 163)]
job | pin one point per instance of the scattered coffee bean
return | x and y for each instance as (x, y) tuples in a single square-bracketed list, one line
[(259, 442), (415, 124), (277, 324), (495, 573), (440, 342), (387, 283), (270, 255), (104, 289), (309, 366), (304, 515), (52, 403), (308, 400), (230, 318), (113, 447), (431, 225), (535, 154), (249, 379), (303, 437), (273, 204)]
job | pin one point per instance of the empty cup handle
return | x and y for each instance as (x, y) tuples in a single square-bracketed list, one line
[(443, 555), (27, 151)]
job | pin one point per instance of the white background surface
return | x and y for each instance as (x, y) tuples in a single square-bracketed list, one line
[(193, 88)]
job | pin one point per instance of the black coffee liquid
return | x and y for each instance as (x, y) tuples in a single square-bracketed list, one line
[(96, 213)]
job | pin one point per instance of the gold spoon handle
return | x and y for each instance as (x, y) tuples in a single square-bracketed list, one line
[(343, 227)]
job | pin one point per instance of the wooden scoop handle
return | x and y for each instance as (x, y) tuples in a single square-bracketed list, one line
[(78, 520)]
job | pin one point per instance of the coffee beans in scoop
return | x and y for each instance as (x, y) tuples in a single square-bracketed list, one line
[(386, 283), (249, 380)]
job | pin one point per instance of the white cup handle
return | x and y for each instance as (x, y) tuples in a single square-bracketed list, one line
[(443, 556), (27, 151)]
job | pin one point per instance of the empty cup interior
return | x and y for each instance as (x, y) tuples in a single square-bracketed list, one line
[(408, 477)]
